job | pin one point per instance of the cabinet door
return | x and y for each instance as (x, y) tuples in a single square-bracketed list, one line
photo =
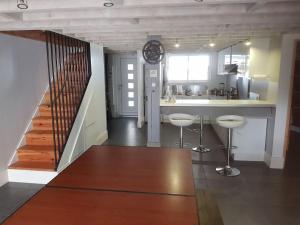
[(223, 57), (240, 56)]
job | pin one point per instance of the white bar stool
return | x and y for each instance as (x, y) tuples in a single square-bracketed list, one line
[(181, 120), (229, 122), (201, 148)]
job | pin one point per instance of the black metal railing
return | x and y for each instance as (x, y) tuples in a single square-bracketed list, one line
[(69, 71)]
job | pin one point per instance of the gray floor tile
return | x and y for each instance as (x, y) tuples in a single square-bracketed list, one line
[(14, 195)]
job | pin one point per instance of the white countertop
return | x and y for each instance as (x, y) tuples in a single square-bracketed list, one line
[(218, 103)]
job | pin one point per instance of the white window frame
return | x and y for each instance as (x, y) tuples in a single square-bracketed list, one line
[(188, 81)]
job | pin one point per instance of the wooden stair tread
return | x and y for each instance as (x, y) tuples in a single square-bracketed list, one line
[(48, 106), (40, 132), (33, 165), (43, 118), (37, 148)]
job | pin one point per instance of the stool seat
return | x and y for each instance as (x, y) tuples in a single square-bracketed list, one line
[(181, 120), (230, 121)]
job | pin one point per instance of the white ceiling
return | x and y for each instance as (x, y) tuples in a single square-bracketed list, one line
[(125, 26)]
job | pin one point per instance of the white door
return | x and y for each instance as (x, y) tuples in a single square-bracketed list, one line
[(129, 87)]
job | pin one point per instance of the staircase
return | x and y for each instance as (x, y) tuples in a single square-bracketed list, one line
[(50, 128), (38, 152)]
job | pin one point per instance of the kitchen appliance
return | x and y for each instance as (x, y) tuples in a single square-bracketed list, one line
[(221, 89), (231, 69), (243, 87)]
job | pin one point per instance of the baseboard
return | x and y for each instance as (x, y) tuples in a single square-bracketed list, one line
[(30, 176), (248, 157), (267, 158), (153, 144), (141, 122), (277, 162), (102, 138)]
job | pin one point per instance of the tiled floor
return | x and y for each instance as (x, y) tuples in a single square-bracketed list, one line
[(259, 196), (13, 195)]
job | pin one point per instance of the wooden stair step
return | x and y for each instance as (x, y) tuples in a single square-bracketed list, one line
[(36, 153), (33, 165), (44, 122), (46, 119), (39, 137), (47, 108), (73, 95), (47, 99)]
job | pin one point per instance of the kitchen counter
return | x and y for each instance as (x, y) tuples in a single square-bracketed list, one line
[(254, 139), (219, 103)]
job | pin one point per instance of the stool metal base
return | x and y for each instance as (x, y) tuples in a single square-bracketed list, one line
[(201, 149), (228, 171), (185, 145)]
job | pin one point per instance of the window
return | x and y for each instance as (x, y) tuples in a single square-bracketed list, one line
[(131, 103), (186, 68), (130, 66), (130, 85), (130, 76), (130, 94)]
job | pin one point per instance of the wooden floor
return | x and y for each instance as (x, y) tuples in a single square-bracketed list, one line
[(53, 206), (134, 169), (117, 186)]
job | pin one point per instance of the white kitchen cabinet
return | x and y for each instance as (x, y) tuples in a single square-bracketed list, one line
[(239, 55), (250, 139)]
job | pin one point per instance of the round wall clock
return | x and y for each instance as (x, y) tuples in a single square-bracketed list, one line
[(153, 52)]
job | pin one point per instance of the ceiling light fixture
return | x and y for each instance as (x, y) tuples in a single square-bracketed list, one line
[(22, 4), (177, 45), (199, 0), (108, 3), (212, 44), (248, 43)]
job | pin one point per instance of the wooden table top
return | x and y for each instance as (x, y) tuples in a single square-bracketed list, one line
[(55, 206), (132, 169)]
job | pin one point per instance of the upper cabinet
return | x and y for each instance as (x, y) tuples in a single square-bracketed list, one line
[(265, 56), (222, 56), (260, 60), (237, 54)]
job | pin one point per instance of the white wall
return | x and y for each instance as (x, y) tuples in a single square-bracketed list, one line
[(90, 126), (24, 78), (283, 101)]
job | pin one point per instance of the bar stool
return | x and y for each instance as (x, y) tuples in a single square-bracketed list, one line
[(230, 122), (201, 148), (181, 120)]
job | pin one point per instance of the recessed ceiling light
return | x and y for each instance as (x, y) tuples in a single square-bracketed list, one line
[(211, 44), (199, 0), (248, 43), (22, 4), (176, 45), (108, 3)]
